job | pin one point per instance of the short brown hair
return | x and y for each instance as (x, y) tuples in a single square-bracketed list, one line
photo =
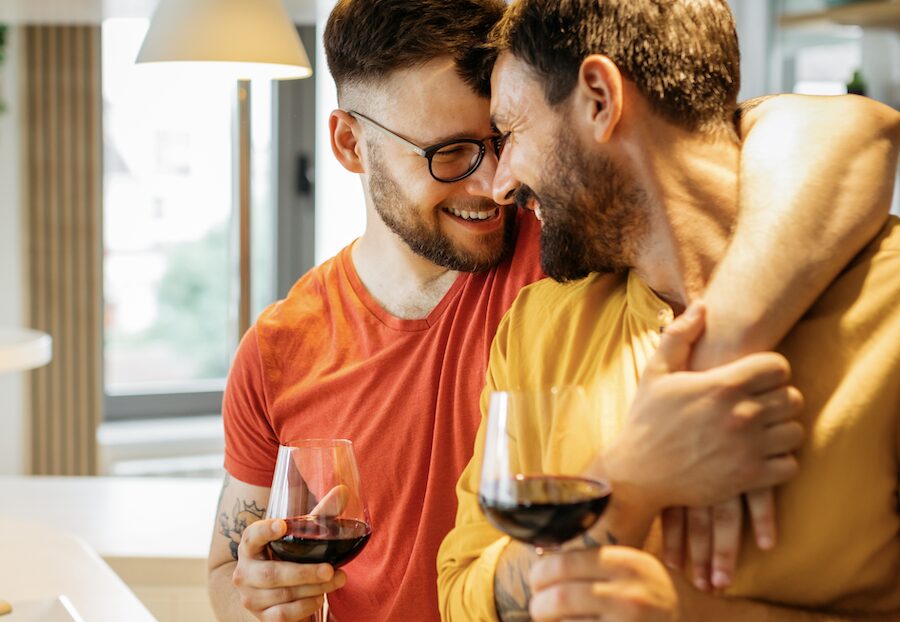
[(367, 40), (682, 54)]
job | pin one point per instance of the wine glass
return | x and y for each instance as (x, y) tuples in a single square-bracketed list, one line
[(316, 490), (529, 490)]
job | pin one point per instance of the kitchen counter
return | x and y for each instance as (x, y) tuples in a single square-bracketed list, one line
[(39, 563), (153, 532)]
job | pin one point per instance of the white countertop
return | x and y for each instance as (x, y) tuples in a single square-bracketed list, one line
[(146, 529), (22, 349), (38, 563)]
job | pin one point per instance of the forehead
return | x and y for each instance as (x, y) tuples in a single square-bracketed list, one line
[(434, 96), (515, 93)]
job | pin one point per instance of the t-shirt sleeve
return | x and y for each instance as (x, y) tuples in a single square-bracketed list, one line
[(468, 557), (251, 445)]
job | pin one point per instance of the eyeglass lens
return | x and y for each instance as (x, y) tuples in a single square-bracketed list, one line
[(455, 160)]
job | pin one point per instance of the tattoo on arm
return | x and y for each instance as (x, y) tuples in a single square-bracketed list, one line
[(590, 542), (511, 589), (242, 514)]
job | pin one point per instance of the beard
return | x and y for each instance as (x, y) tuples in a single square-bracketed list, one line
[(425, 238), (594, 214)]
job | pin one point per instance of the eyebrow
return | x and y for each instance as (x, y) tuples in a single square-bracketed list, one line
[(456, 136)]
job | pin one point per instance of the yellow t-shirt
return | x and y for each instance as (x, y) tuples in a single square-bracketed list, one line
[(838, 520)]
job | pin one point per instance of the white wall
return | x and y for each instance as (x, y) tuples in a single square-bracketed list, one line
[(340, 205), (760, 75), (11, 277), (754, 20)]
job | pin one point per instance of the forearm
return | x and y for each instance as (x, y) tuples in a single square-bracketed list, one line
[(512, 589), (816, 181), (224, 596)]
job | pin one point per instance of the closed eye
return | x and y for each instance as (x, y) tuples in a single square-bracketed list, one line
[(499, 142)]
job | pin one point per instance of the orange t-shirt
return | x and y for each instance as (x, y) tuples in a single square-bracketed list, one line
[(328, 361)]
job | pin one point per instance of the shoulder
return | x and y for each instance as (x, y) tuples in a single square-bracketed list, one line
[(888, 239), (303, 321), (308, 300), (861, 302)]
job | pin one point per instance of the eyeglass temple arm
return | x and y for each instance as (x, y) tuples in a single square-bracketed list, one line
[(398, 138)]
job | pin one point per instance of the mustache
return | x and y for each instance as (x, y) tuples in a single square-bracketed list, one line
[(523, 195)]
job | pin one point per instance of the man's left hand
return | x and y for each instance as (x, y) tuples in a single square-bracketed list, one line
[(612, 583)]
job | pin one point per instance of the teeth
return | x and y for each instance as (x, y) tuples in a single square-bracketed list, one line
[(537, 212), (466, 215)]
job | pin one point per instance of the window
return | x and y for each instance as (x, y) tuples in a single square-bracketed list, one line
[(830, 47), (169, 274)]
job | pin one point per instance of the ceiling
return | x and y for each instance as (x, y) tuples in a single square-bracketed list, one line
[(94, 11)]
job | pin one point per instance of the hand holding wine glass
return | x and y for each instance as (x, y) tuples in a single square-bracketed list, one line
[(277, 589), (316, 520), (528, 490)]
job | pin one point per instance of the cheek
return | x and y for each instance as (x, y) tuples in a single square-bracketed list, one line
[(428, 194)]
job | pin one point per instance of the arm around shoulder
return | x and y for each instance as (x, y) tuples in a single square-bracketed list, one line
[(816, 180)]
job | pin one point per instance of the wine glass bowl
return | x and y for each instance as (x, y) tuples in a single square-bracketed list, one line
[(316, 490), (528, 489), (548, 510)]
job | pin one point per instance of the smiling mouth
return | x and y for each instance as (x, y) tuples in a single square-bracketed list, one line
[(472, 216)]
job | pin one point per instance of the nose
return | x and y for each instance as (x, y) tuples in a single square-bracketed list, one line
[(480, 182), (505, 184)]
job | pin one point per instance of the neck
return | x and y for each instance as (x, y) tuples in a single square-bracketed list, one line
[(404, 283), (692, 184)]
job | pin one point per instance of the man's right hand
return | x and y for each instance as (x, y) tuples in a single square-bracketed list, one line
[(278, 590), (699, 438)]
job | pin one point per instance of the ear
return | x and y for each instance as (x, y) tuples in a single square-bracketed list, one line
[(599, 95), (344, 141)]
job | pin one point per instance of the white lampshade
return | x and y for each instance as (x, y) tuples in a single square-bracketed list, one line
[(244, 38), (23, 349)]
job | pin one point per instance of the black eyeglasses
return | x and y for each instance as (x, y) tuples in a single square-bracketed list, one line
[(450, 160)]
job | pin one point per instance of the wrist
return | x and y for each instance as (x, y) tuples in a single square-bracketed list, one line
[(631, 511), (621, 471)]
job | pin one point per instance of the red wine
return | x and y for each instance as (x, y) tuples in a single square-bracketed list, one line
[(321, 539), (548, 510)]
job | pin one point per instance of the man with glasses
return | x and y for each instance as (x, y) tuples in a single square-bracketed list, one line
[(387, 343)]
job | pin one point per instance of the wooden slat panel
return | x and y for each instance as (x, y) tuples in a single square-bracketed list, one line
[(35, 240), (54, 164), (93, 242), (66, 247), (79, 346), (63, 147)]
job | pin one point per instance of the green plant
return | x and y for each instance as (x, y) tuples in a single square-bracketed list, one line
[(3, 30)]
